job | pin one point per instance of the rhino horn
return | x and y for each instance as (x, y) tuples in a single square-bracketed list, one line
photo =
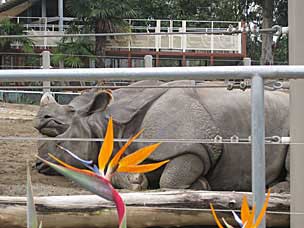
[(46, 99)]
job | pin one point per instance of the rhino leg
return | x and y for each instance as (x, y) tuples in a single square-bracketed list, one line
[(182, 172), (284, 186), (130, 181)]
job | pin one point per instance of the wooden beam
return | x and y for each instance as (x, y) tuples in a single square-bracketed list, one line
[(144, 209)]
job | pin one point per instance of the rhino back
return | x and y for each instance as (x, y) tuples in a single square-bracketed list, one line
[(206, 112)]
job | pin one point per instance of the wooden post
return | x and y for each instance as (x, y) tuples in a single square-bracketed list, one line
[(157, 59), (129, 59), (244, 40), (211, 60)]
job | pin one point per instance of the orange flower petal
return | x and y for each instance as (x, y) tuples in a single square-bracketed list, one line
[(70, 167), (114, 162), (245, 211), (263, 210), (141, 168), (251, 218), (138, 156), (215, 217), (106, 148)]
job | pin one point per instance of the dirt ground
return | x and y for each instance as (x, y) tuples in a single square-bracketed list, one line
[(17, 120)]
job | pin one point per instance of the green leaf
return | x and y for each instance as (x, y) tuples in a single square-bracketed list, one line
[(31, 215), (93, 183)]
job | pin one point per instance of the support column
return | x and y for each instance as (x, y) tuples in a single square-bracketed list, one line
[(184, 60), (60, 14), (247, 61), (258, 144), (157, 59), (296, 57), (148, 61), (129, 59), (46, 64), (43, 8), (244, 41), (211, 60)]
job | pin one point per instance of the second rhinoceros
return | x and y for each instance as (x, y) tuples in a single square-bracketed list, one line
[(174, 113)]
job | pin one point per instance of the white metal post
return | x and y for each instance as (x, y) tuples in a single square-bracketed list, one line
[(296, 57), (158, 38), (43, 8), (212, 37), (60, 14), (247, 61), (92, 62), (46, 63), (239, 38), (258, 144), (184, 37), (148, 61), (170, 29)]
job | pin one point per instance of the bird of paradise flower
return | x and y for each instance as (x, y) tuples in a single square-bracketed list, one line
[(97, 179), (247, 215)]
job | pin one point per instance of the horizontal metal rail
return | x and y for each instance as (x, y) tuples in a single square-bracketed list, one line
[(163, 73), (268, 140), (221, 32)]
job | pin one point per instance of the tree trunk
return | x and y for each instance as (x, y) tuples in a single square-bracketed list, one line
[(100, 42), (144, 209), (266, 55)]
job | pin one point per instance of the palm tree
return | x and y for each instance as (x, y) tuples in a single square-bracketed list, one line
[(7, 27), (102, 16), (73, 51)]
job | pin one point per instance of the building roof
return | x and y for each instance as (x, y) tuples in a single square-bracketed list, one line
[(15, 7)]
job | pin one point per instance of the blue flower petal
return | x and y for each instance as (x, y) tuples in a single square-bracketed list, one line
[(85, 162), (96, 170), (237, 219)]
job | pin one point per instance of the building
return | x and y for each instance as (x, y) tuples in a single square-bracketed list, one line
[(184, 49)]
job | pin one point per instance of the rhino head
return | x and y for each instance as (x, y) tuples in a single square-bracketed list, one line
[(52, 118), (64, 121)]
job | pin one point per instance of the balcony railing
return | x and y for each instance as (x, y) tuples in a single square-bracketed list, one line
[(213, 43)]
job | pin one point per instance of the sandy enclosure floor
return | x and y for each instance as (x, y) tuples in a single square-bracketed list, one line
[(17, 120)]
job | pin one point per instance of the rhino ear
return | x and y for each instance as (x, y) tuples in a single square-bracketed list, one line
[(99, 103), (46, 99)]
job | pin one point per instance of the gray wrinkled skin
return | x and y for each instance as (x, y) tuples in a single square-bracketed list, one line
[(175, 113)]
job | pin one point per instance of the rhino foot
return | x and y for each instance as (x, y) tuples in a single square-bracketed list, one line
[(201, 184), (134, 182), (281, 187)]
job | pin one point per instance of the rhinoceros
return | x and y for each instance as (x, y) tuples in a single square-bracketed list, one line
[(172, 113)]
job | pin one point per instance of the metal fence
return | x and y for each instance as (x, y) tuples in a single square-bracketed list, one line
[(257, 74)]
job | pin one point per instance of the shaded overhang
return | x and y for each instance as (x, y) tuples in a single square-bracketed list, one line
[(15, 7)]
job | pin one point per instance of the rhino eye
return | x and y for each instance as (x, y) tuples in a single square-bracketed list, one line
[(47, 117)]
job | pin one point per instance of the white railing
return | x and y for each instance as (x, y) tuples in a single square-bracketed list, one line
[(231, 43), (213, 43)]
